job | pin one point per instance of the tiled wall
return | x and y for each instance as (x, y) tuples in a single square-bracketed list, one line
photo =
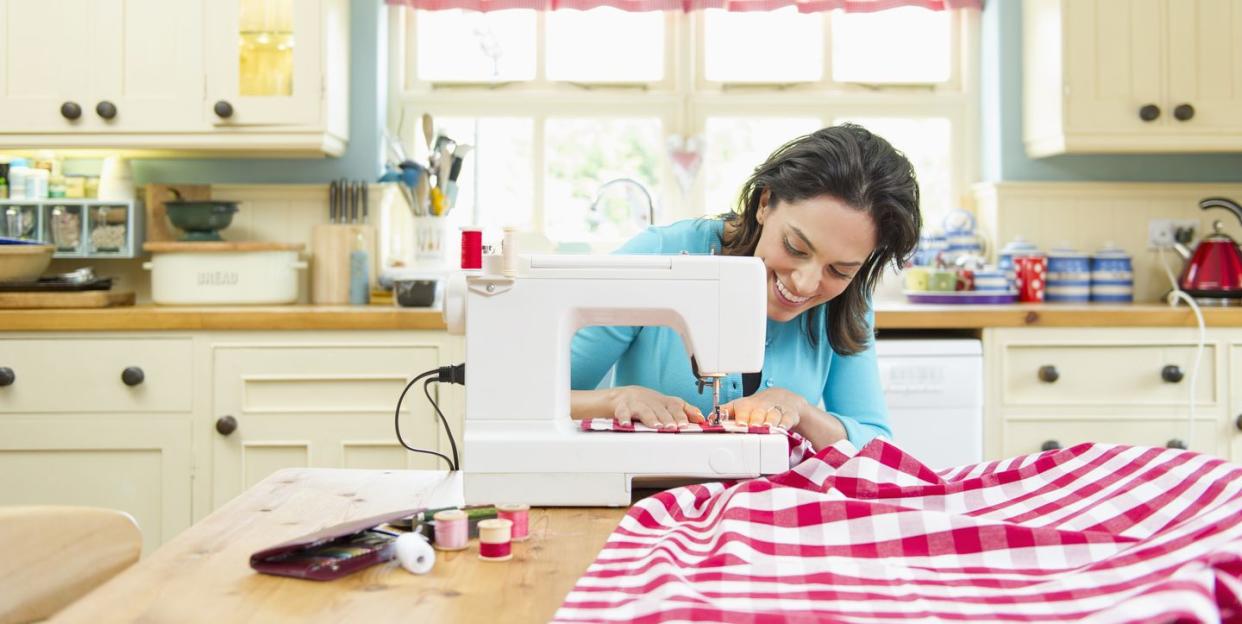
[(274, 213), (1087, 215)]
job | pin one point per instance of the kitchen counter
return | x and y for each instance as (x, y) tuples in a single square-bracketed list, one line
[(386, 317)]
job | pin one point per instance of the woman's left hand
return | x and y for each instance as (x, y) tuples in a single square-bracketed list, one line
[(773, 406)]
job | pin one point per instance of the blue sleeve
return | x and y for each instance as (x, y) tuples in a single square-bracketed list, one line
[(853, 394), (594, 350)]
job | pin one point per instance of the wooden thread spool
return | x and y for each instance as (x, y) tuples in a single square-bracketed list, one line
[(495, 540), (451, 530), (519, 515)]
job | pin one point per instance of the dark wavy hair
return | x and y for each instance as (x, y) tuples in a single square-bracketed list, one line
[(865, 172)]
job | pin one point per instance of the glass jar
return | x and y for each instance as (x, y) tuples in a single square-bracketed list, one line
[(65, 228), (109, 229)]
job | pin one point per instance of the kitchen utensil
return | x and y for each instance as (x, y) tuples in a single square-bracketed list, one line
[(1213, 272), (224, 273), (23, 262), (332, 202), (366, 207), (84, 299), (429, 130), (202, 220)]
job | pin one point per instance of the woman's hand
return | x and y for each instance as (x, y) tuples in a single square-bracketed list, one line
[(630, 403), (773, 406)]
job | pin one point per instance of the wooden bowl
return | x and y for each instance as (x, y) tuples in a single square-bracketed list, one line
[(24, 263)]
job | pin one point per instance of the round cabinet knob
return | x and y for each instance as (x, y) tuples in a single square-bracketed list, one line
[(1048, 374), (1175, 444), (1171, 373), (70, 111), (223, 109), (1149, 112), (1237, 423), (7, 377), (106, 109), (226, 425), (1184, 112), (1050, 445), (132, 376)]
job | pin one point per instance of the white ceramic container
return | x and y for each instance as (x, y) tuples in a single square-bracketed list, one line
[(224, 273)]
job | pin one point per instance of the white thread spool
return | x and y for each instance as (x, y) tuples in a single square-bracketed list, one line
[(414, 553), (509, 251)]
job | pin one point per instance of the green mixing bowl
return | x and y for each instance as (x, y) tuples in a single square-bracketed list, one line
[(201, 220)]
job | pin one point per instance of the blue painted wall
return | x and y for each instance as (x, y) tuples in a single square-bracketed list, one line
[(1004, 156), (368, 50)]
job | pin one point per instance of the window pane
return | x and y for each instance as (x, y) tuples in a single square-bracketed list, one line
[(905, 45), (735, 146), (928, 143), (467, 46), (763, 46), (496, 184), (584, 154), (605, 45)]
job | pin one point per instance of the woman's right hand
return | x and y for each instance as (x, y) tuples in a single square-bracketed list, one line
[(651, 408)]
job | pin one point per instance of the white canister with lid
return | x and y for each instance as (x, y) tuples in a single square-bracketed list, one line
[(1112, 275), (224, 272)]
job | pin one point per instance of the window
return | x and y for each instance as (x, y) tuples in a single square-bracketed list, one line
[(559, 106)]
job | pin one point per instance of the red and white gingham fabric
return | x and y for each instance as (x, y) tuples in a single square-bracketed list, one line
[(1098, 533)]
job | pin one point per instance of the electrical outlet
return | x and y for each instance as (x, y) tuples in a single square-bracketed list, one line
[(1160, 232)]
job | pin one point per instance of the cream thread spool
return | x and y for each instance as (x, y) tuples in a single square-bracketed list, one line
[(509, 252), (495, 540), (451, 530), (519, 515)]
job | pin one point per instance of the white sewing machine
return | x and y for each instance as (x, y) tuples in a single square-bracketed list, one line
[(521, 446)]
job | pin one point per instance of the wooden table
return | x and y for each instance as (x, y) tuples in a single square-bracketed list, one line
[(204, 574)]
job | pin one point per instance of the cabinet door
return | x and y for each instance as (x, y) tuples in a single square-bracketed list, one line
[(148, 62), (1205, 64), (139, 466), (327, 406), (264, 62), (45, 58), (1114, 64)]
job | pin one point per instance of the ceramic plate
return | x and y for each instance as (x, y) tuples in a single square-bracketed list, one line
[(974, 297)]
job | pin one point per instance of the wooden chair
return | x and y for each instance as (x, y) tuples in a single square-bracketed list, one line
[(51, 556)]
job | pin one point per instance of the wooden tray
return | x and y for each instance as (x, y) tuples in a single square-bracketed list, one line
[(85, 299)]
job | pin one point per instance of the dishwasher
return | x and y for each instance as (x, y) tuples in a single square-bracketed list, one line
[(934, 391)]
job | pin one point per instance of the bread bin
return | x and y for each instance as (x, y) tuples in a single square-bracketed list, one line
[(224, 273)]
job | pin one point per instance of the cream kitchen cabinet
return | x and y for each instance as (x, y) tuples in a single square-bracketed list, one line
[(1050, 388), (281, 401), (100, 421), (1132, 76), (258, 76)]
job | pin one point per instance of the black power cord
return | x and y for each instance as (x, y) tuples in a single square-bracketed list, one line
[(451, 374)]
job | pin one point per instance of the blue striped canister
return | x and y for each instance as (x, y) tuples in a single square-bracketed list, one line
[(1069, 276), (1112, 276)]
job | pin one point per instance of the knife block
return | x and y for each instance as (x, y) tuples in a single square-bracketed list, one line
[(331, 245)]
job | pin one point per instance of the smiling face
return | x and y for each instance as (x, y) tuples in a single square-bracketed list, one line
[(812, 249)]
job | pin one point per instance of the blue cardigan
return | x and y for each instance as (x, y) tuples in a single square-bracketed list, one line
[(654, 357)]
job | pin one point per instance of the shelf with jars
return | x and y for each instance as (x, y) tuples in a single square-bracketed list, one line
[(78, 228)]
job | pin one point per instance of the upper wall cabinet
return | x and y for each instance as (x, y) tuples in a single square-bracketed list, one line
[(1132, 76), (248, 76)]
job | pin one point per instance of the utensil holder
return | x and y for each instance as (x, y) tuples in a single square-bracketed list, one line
[(431, 240)]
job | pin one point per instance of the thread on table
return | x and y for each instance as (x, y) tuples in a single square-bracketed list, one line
[(519, 515), (509, 252), (495, 540), (471, 248), (451, 530)]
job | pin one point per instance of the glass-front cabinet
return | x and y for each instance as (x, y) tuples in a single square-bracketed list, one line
[(263, 67)]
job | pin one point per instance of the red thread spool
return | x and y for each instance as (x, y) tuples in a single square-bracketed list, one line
[(519, 515), (471, 248), (495, 535)]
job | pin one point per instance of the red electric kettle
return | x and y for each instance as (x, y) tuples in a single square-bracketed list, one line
[(1213, 273)]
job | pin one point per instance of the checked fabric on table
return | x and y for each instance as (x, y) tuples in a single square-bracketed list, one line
[(1100, 533)]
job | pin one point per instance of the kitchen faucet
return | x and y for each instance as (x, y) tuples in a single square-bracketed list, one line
[(599, 195)]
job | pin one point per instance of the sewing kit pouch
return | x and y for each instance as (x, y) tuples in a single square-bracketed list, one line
[(333, 552)]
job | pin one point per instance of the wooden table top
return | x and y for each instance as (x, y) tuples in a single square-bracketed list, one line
[(204, 573)]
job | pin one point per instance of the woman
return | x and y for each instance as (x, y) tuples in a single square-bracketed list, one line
[(826, 213)]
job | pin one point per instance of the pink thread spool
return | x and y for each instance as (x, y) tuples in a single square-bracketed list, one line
[(519, 515), (452, 529), (495, 539), (471, 248)]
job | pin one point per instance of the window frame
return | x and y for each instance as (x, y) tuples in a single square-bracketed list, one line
[(684, 99)]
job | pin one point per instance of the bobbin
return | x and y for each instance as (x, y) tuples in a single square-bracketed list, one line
[(495, 540)]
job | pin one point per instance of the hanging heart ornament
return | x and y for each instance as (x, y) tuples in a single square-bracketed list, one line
[(686, 154)]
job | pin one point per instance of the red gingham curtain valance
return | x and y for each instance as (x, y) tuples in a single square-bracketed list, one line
[(738, 6)]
